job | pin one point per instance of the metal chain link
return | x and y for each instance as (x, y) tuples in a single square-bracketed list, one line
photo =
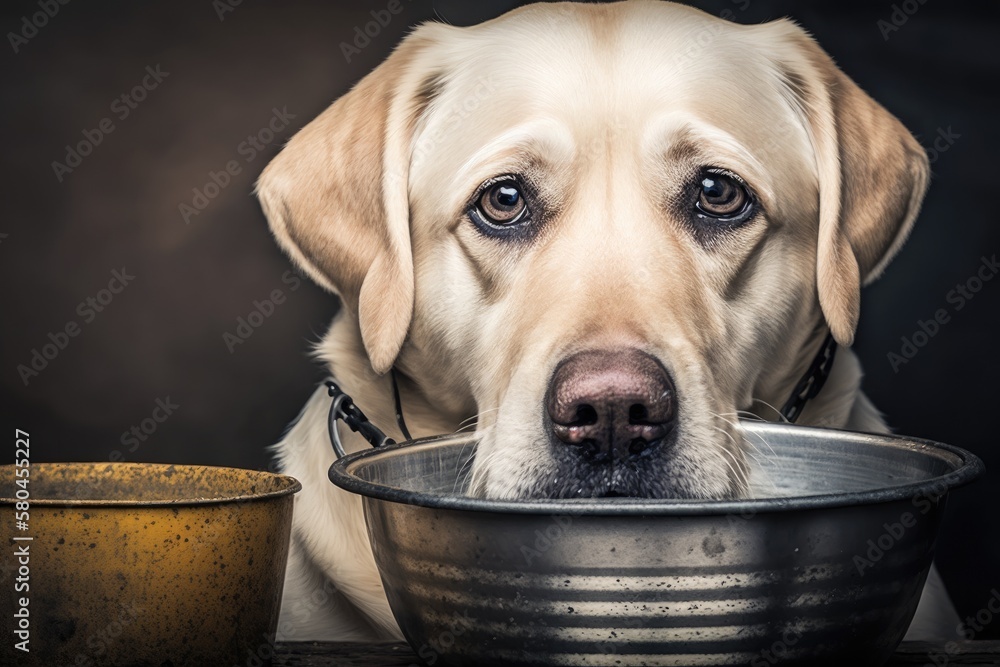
[(812, 382), (343, 408)]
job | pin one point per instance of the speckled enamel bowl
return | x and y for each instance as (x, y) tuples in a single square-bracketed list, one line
[(144, 564)]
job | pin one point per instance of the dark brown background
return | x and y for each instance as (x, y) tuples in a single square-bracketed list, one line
[(162, 336)]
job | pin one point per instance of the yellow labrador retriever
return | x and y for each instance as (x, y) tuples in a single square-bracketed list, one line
[(602, 231)]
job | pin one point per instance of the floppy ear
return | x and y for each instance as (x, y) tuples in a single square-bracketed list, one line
[(336, 196), (872, 178)]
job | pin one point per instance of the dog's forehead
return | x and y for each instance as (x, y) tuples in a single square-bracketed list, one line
[(557, 75), (571, 52)]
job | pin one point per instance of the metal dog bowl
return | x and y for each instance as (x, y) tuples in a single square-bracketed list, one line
[(823, 567), (143, 564)]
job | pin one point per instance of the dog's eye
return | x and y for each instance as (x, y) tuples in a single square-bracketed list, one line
[(502, 203), (723, 197)]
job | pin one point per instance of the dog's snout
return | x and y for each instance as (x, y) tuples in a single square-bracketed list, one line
[(614, 405)]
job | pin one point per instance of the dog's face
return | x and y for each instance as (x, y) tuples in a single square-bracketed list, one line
[(610, 227)]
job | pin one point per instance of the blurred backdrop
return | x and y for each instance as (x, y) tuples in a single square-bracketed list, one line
[(128, 261)]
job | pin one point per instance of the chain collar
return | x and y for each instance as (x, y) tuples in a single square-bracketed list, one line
[(813, 380), (343, 408)]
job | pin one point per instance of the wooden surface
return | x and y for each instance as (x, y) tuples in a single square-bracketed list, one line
[(317, 654), (313, 654), (963, 653)]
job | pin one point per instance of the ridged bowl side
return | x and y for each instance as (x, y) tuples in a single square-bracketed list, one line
[(577, 590)]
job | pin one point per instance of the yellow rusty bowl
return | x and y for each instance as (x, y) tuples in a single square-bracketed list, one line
[(143, 564)]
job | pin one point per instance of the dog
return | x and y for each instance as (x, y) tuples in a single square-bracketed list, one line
[(600, 231)]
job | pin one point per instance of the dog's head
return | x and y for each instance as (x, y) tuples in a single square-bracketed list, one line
[(611, 227)]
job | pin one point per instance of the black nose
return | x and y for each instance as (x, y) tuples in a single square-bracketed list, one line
[(614, 405)]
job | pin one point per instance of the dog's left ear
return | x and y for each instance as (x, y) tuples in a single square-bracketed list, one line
[(337, 199), (872, 177)]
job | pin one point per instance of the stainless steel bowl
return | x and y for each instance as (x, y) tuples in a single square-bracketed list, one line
[(824, 566)]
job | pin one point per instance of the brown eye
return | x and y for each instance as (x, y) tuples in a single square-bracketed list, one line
[(502, 203), (721, 196)]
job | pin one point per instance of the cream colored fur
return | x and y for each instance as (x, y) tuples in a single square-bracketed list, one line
[(610, 109)]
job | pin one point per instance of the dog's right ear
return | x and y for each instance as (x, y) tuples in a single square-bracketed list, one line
[(336, 196)]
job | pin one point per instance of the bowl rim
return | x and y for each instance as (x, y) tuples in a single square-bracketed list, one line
[(968, 468), (292, 486)]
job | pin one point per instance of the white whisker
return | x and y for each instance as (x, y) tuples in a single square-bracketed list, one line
[(781, 417), (475, 417)]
